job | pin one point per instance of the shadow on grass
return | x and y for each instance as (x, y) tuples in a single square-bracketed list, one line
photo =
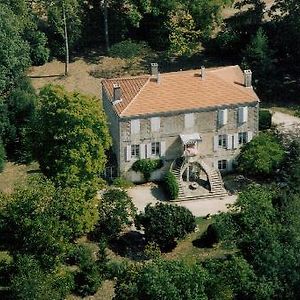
[(130, 245)]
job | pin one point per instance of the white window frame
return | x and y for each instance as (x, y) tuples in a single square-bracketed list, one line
[(155, 124), (135, 126), (223, 117), (222, 141), (189, 120), (243, 114), (242, 138), (135, 151), (155, 149)]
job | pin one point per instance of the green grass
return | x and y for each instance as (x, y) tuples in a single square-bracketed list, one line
[(186, 251), (14, 174)]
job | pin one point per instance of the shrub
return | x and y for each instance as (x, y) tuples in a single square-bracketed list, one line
[(2, 156), (122, 182), (89, 278), (152, 251), (171, 185), (128, 49), (210, 236), (147, 166), (116, 211), (165, 223), (265, 119), (262, 156)]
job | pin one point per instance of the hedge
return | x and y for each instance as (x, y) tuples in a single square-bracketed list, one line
[(171, 185)]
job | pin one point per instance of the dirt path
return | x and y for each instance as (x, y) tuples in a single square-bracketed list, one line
[(79, 78), (285, 121)]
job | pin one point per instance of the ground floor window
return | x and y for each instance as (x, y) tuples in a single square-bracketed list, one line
[(135, 151), (242, 138), (222, 164), (155, 149)]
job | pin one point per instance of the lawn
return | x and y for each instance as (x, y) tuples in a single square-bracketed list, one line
[(15, 174)]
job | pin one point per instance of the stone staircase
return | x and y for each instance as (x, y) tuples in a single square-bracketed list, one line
[(217, 189)]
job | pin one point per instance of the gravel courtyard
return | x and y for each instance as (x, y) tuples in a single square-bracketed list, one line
[(152, 193)]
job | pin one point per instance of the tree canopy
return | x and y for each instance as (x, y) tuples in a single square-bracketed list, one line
[(72, 136)]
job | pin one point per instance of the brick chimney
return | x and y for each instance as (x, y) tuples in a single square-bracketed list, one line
[(247, 78), (117, 93)]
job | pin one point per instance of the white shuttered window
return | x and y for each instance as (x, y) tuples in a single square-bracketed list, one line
[(135, 126), (222, 117), (155, 124), (189, 120), (243, 114)]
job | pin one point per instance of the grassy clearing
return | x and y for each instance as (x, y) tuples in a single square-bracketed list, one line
[(186, 251), (14, 174)]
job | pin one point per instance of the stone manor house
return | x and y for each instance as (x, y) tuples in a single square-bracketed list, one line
[(195, 121)]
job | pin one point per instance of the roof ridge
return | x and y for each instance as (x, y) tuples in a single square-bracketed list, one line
[(134, 98), (126, 78)]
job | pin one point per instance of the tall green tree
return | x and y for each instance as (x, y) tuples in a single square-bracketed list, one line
[(14, 51), (72, 136)]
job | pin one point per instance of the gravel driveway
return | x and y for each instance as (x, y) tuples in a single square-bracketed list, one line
[(151, 193), (285, 121)]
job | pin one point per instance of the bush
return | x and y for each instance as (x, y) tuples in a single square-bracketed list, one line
[(128, 49), (262, 156), (209, 237), (2, 156), (265, 119), (165, 223), (171, 185), (122, 182), (116, 211), (147, 166), (90, 277)]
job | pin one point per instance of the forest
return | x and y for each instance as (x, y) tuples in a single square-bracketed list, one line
[(59, 239)]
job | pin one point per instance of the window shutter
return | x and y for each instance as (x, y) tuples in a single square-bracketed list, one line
[(245, 114), (220, 117), (162, 148), (229, 141), (249, 136), (128, 153), (225, 117), (216, 143), (148, 150), (235, 140), (135, 126), (189, 120), (142, 151), (155, 124)]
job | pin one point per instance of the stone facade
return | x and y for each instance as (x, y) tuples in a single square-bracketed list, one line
[(135, 138)]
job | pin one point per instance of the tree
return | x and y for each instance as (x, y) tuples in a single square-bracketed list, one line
[(21, 104), (14, 51), (162, 279), (116, 211), (77, 209), (258, 56), (165, 223), (72, 137), (183, 36), (262, 156), (31, 282), (27, 224)]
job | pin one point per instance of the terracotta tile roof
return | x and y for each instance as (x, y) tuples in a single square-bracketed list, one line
[(130, 88), (181, 91)]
